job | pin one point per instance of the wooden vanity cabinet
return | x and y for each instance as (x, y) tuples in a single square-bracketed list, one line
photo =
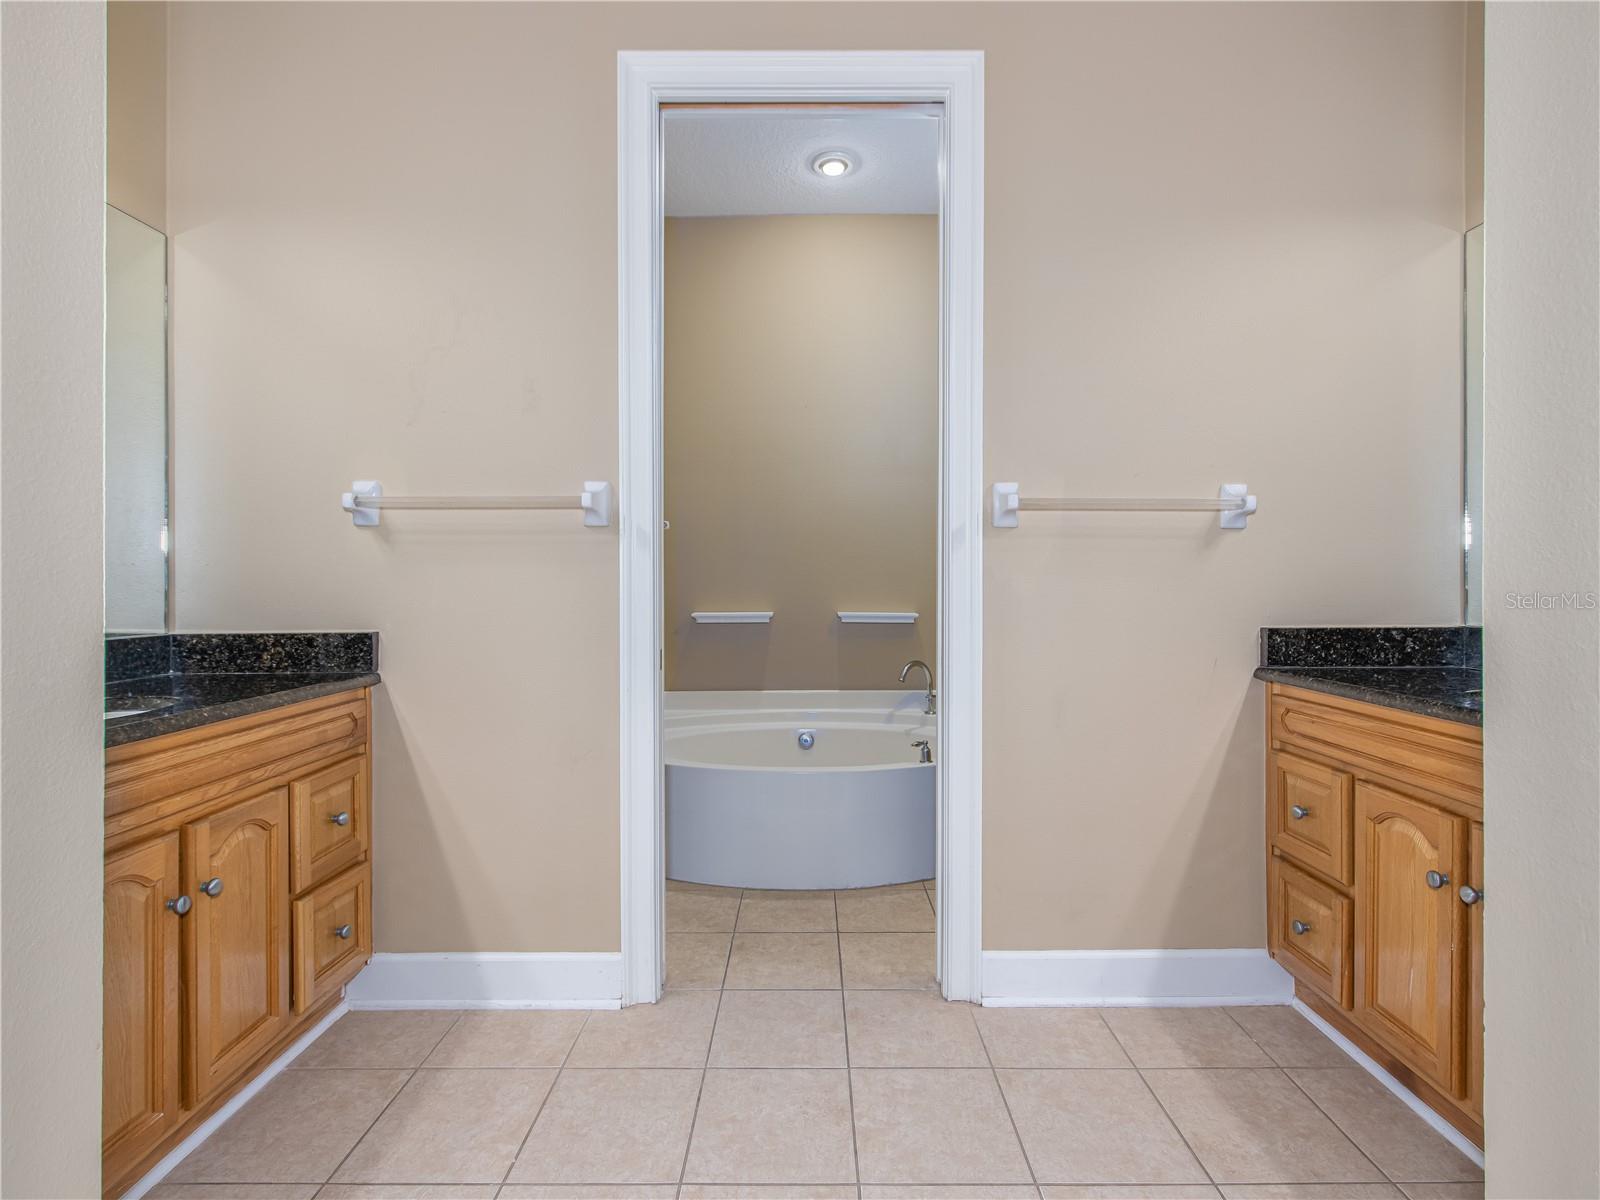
[(238, 902), (1375, 876)]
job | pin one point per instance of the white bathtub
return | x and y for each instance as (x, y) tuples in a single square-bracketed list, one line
[(747, 806)]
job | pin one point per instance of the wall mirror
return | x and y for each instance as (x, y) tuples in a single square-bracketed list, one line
[(135, 426), (1472, 452)]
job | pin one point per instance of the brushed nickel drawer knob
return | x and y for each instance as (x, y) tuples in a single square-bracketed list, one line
[(1300, 926), (1300, 812), (1469, 894), (342, 932), (1435, 880), (180, 905), (212, 886), (340, 818)]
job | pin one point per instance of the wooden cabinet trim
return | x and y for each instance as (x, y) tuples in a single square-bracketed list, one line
[(195, 765), (1442, 757)]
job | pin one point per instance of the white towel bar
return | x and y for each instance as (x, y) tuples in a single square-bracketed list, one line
[(877, 618), (365, 501), (731, 618), (1233, 501)]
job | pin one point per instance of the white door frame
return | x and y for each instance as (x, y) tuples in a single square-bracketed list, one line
[(646, 80)]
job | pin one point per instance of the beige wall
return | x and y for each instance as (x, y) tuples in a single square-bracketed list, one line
[(1473, 163), (1222, 243), (52, 812), (801, 447), (1542, 510), (136, 109)]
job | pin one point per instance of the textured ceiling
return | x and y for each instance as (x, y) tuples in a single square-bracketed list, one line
[(741, 163)]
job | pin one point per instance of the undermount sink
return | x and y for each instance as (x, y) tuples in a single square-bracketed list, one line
[(132, 706)]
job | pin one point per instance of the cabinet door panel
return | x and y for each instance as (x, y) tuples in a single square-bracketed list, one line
[(1474, 1062), (140, 1055), (1408, 967), (238, 969)]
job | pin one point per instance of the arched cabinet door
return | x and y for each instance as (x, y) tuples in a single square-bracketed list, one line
[(1409, 960), (236, 862), (144, 908)]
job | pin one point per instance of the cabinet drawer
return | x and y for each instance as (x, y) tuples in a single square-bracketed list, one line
[(1309, 806), (332, 935), (1309, 930), (328, 821)]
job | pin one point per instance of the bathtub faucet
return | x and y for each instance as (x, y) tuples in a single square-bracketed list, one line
[(928, 671)]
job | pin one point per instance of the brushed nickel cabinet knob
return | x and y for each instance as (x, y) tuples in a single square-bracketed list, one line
[(1300, 812), (1435, 880), (212, 886), (342, 932), (180, 905), (340, 818), (1300, 926)]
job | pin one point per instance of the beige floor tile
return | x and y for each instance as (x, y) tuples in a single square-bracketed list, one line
[(1311, 1191), (675, 1031), (904, 911), (790, 1126), (1290, 1039), (947, 1127), (1255, 1126), (954, 1191), (1443, 1191), (1183, 1037), (1127, 1191), (1049, 1037), (296, 1130), (779, 1029), (697, 960), (785, 961), (911, 1029), (1388, 1132), (231, 1191), (450, 1127), (508, 1039), (390, 1040), (786, 912), (888, 960), (1096, 1126), (702, 912), (909, 886), (408, 1191), (767, 1191), (589, 1191), (611, 1127)]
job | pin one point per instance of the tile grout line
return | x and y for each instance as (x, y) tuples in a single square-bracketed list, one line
[(1272, 1058), (849, 1075), (694, 1119), (1182, 1137), (411, 1075), (1027, 1160), (539, 1112)]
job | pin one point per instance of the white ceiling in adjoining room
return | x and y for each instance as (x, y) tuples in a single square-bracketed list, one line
[(747, 163)]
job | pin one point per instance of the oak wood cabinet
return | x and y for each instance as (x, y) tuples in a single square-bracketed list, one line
[(238, 903), (1375, 881)]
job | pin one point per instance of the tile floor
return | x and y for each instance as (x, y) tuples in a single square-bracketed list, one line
[(802, 1051)]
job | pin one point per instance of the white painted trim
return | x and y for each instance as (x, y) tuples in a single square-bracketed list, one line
[(1437, 1123), (955, 80), (237, 1101), (488, 981), (1132, 978)]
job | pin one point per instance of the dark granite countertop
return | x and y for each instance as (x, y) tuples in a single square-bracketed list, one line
[(1432, 670), (215, 677), (1453, 693)]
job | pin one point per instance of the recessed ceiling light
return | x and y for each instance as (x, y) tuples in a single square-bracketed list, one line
[(832, 163)]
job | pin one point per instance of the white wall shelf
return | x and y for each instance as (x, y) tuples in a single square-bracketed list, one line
[(732, 618), (878, 618)]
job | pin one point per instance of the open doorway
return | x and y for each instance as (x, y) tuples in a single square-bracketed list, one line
[(772, 677), (800, 454)]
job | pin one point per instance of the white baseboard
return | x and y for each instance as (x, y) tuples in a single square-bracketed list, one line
[(1132, 978), (495, 980), (1440, 1126), (237, 1101)]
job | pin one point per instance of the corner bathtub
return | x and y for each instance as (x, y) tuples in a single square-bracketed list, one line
[(748, 807)]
